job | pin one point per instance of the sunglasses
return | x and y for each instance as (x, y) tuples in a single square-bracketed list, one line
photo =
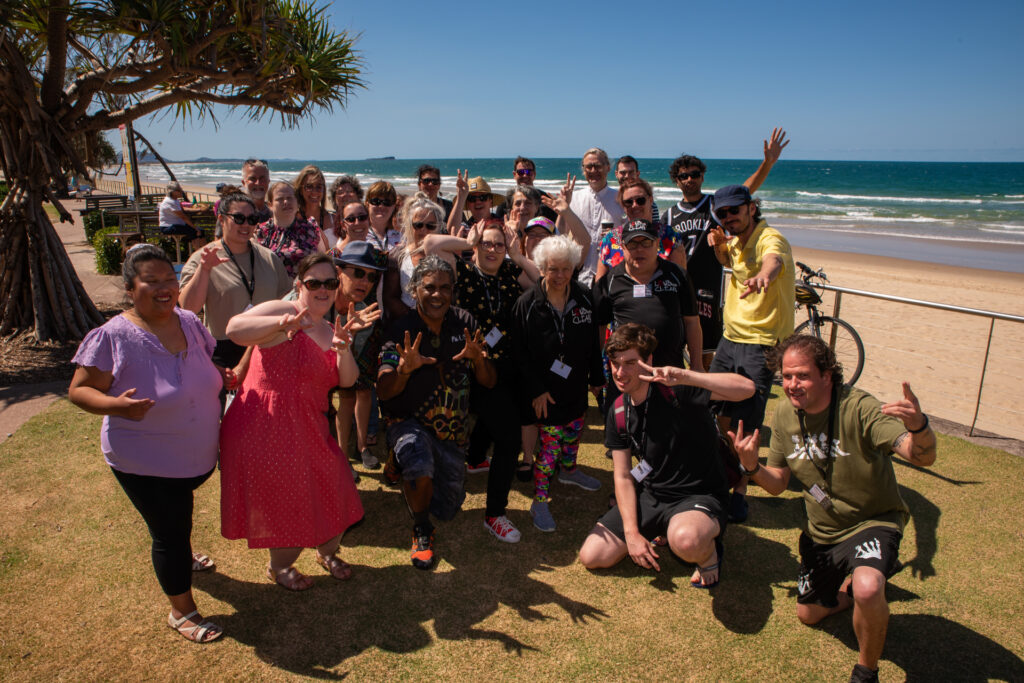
[(728, 211), (592, 167), (635, 201), (478, 197), (430, 181), (359, 217), (419, 226), (377, 201), (313, 188), (639, 243), (362, 273), (492, 246), (240, 218), (683, 175), (525, 172), (330, 285)]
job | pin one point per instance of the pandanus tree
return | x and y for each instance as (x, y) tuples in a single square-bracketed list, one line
[(71, 70)]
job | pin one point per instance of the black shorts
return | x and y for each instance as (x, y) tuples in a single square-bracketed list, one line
[(824, 567), (709, 308), (653, 515), (747, 360), (186, 231)]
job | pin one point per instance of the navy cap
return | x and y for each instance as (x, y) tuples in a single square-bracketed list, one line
[(731, 195), (638, 228), (361, 254)]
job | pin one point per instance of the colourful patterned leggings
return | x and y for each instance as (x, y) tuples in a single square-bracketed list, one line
[(558, 446)]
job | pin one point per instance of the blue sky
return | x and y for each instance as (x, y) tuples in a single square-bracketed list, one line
[(866, 80)]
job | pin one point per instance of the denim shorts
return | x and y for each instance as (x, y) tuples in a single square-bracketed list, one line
[(420, 453)]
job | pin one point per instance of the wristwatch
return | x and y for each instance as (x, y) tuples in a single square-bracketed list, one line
[(749, 473)]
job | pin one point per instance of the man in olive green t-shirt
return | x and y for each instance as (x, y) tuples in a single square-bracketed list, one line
[(838, 442)]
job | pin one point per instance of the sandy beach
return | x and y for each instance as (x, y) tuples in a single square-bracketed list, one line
[(940, 353)]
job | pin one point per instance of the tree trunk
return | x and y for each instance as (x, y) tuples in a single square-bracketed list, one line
[(39, 288)]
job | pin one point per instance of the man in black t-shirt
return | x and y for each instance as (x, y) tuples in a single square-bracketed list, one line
[(678, 489), (647, 289), (423, 385)]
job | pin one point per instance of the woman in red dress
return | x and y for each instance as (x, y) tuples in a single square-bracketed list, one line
[(285, 484)]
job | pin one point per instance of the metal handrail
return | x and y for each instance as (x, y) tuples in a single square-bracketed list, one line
[(991, 315)]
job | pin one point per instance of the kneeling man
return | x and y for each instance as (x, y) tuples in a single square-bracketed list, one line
[(838, 442), (679, 488)]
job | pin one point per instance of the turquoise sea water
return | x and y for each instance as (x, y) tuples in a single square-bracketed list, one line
[(958, 213)]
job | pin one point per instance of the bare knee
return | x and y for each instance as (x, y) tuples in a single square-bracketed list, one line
[(601, 550), (809, 615), (868, 586), (687, 544)]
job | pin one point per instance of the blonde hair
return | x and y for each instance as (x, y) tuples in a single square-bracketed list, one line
[(300, 181), (419, 202)]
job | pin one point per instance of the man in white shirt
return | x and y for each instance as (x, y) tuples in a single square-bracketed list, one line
[(595, 204)]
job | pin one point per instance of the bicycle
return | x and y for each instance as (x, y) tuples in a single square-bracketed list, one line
[(837, 333)]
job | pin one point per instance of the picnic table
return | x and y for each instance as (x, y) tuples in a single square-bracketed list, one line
[(143, 223)]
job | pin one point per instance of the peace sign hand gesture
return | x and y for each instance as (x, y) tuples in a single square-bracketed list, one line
[(410, 359), (461, 182), (342, 339), (291, 324), (474, 349), (667, 375), (570, 185)]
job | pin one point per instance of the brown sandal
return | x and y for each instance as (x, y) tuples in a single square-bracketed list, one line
[(290, 578), (335, 566)]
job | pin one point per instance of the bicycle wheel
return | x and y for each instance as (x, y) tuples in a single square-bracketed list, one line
[(843, 340)]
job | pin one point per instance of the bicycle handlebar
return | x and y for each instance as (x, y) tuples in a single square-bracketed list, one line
[(811, 273)]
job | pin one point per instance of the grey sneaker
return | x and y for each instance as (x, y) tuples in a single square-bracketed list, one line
[(542, 518), (370, 460), (577, 478)]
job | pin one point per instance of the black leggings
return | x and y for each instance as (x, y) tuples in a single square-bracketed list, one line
[(165, 504), (497, 422)]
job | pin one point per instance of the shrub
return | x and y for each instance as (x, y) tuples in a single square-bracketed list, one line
[(93, 221), (108, 251)]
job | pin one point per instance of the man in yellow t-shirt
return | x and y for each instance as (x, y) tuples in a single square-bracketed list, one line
[(758, 313)]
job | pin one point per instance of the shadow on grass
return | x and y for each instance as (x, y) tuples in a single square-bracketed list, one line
[(396, 607), (932, 648)]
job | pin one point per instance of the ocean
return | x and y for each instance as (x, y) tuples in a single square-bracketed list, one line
[(965, 214)]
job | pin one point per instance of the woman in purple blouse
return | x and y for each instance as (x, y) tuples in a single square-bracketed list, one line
[(148, 372), (287, 233)]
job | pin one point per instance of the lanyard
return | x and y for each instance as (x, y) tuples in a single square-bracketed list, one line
[(486, 279), (639, 449), (825, 472), (250, 285)]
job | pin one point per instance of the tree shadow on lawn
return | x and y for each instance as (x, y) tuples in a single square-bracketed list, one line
[(932, 648), (389, 607)]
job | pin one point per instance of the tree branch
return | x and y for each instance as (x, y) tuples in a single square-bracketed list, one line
[(57, 54)]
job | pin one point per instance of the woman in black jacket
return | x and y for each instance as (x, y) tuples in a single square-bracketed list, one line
[(556, 352)]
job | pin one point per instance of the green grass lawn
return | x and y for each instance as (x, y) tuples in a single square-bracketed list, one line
[(80, 602)]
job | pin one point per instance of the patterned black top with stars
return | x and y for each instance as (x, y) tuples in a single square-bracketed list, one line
[(489, 298)]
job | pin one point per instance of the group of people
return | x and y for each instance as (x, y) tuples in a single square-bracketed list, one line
[(482, 324)]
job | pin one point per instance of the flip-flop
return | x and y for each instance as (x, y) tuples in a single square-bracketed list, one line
[(717, 564), (202, 563)]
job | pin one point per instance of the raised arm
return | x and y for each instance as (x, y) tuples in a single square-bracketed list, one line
[(530, 273), (194, 290), (568, 222), (461, 192), (917, 445), (774, 480), (267, 324), (724, 386), (772, 150)]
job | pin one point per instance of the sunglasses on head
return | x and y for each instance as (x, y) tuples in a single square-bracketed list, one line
[(378, 201), (635, 201), (478, 197), (329, 284), (430, 181), (683, 175), (417, 225), (728, 211), (524, 172), (357, 218), (240, 218), (361, 273)]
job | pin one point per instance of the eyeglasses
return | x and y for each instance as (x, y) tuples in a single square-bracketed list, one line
[(430, 181), (359, 217), (240, 218), (362, 273), (478, 197), (635, 201), (592, 167), (330, 285), (683, 175), (639, 243), (419, 226), (313, 187), (492, 246), (727, 211), (378, 201), (524, 172)]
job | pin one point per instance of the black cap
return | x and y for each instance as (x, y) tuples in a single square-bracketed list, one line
[(638, 228)]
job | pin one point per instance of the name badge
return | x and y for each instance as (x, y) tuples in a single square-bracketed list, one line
[(823, 500), (247, 308), (493, 337), (561, 369), (641, 471), (639, 291)]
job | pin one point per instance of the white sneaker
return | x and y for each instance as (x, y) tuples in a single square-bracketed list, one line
[(502, 528)]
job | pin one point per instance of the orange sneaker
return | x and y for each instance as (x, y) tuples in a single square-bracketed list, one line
[(422, 548)]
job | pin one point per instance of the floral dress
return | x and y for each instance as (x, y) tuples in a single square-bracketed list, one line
[(291, 244)]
